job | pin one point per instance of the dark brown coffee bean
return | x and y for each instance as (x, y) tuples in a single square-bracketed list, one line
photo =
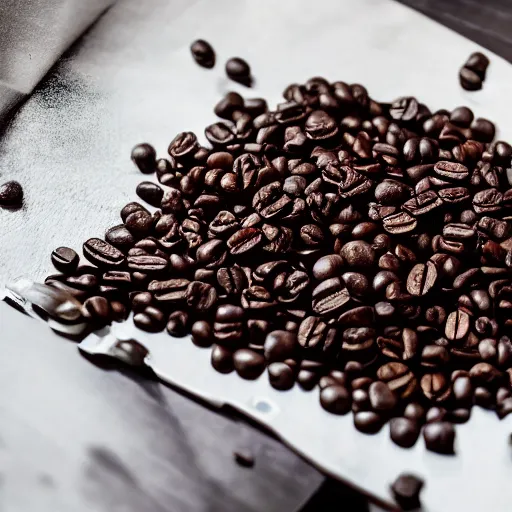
[(144, 157), (202, 333), (381, 397), (404, 432), (439, 437), (120, 237), (399, 223), (150, 319), (330, 296), (280, 376), (307, 379), (279, 345), (469, 80), (406, 490), (358, 254), (183, 146), (335, 399), (203, 53), (404, 109), (245, 240), (327, 267), (435, 387), (65, 259), (399, 378), (102, 253), (222, 359), (248, 364), (368, 422), (177, 323), (171, 290), (150, 192), (97, 309), (238, 70), (415, 412), (200, 296), (422, 278)]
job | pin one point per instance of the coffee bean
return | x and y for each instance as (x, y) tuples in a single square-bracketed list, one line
[(228, 324), (202, 333), (358, 254), (280, 376), (439, 437), (65, 259), (248, 364), (150, 192), (469, 80), (327, 267), (404, 432), (457, 325), (238, 70), (222, 359), (330, 296), (150, 319), (120, 237), (203, 53), (406, 490), (279, 345), (96, 309), (435, 387), (144, 157), (177, 324), (102, 253), (244, 240), (368, 422), (399, 378), (171, 290), (399, 223), (11, 194), (381, 397), (335, 399), (415, 412), (404, 109), (421, 279)]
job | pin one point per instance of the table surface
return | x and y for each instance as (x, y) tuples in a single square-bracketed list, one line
[(128, 428)]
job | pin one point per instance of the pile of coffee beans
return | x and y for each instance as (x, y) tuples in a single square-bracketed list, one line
[(472, 74), (336, 242)]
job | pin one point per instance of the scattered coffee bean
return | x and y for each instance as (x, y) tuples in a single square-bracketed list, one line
[(144, 157), (11, 194), (238, 70), (406, 491), (335, 399), (203, 53), (248, 364), (280, 376), (404, 431)]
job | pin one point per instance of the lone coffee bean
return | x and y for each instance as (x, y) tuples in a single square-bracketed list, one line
[(358, 249), (11, 194)]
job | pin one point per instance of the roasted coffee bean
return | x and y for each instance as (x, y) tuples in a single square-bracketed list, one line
[(404, 109), (399, 378), (280, 376), (358, 254), (406, 490), (279, 345), (335, 399), (330, 296), (245, 240), (200, 296), (327, 267), (171, 290), (381, 397), (222, 359), (439, 437), (415, 412), (228, 327), (150, 319), (144, 157), (469, 80), (238, 70), (404, 431), (65, 260), (183, 146), (202, 334), (177, 324), (457, 325), (102, 253), (248, 364), (368, 422), (435, 387), (422, 278), (97, 309), (203, 53), (232, 279), (120, 237), (150, 192)]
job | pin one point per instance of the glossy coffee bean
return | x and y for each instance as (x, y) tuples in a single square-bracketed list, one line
[(203, 53), (222, 359), (439, 437), (280, 376), (248, 364), (150, 192), (65, 259), (238, 70), (404, 432), (406, 491), (11, 194), (335, 399), (150, 319), (177, 324), (144, 157), (368, 422)]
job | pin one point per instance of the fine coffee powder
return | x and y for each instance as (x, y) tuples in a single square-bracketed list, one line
[(360, 248)]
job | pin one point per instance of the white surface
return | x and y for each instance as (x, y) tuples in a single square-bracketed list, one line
[(133, 80)]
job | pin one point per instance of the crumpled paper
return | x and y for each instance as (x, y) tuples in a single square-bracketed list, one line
[(33, 35)]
